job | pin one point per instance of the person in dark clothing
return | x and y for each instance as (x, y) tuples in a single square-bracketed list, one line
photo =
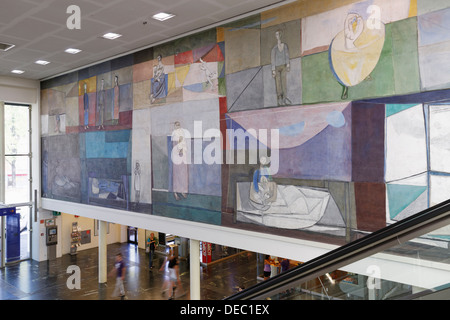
[(151, 243)]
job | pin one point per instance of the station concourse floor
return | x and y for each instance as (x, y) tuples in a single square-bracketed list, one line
[(32, 280)]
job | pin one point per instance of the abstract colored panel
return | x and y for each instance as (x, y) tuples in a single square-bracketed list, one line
[(198, 208), (370, 199), (184, 58), (242, 47), (402, 196), (245, 90), (405, 140), (439, 186), (392, 109), (426, 6), (314, 116), (434, 49), (143, 71), (439, 138), (368, 142), (61, 168), (314, 141), (405, 56)]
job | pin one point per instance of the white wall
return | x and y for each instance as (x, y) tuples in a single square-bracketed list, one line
[(19, 90), (114, 236), (27, 91)]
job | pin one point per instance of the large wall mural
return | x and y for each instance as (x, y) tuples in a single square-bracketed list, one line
[(311, 122)]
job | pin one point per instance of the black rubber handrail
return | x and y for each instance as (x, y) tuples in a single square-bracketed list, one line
[(416, 225)]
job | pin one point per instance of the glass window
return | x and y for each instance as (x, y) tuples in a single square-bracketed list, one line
[(17, 175), (17, 130)]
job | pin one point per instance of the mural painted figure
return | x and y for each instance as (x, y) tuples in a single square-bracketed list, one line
[(263, 190), (210, 76), (101, 106), (116, 101), (137, 182), (158, 82), (355, 51), (180, 171), (280, 67), (86, 107)]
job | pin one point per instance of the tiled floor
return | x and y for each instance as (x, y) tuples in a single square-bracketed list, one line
[(31, 280)]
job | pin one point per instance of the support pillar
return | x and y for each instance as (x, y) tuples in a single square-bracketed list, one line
[(102, 252), (194, 271)]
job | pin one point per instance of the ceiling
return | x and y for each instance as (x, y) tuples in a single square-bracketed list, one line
[(38, 29)]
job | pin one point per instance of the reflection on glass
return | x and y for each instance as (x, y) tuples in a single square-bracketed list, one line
[(17, 126), (419, 265), (17, 175), (24, 231)]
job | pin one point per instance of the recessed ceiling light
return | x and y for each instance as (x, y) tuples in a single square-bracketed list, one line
[(111, 35), (17, 71), (42, 62), (163, 16), (6, 46), (72, 50)]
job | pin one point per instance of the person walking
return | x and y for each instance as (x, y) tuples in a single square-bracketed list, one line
[(151, 243), (119, 269), (174, 276), (267, 267)]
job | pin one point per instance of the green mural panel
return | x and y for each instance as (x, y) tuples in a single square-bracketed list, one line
[(405, 56), (319, 83), (396, 72)]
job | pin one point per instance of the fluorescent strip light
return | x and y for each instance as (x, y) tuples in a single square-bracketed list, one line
[(111, 35), (72, 51), (42, 62), (17, 71), (330, 278), (163, 16)]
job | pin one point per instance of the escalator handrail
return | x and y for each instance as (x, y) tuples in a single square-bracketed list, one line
[(375, 242)]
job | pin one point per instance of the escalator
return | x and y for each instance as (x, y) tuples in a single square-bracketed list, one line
[(408, 260)]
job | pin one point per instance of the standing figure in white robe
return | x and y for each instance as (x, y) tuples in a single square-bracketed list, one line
[(180, 169)]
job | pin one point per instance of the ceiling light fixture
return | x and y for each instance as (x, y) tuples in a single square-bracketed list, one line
[(111, 36), (42, 62), (163, 16), (6, 46), (72, 51), (16, 71)]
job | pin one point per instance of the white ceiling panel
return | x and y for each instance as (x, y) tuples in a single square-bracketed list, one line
[(38, 29), (30, 29), (88, 30), (50, 44), (124, 13), (11, 10)]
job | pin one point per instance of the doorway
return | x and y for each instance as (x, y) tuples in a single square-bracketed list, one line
[(16, 178), (132, 235)]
